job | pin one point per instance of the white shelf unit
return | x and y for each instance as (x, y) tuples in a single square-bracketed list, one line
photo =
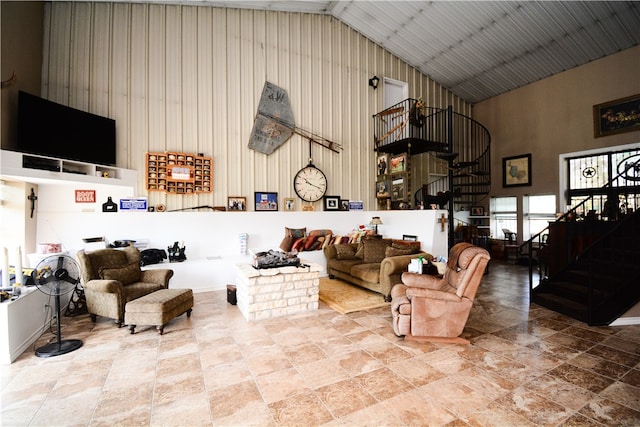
[(42, 169)]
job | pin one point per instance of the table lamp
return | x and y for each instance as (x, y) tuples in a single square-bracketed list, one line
[(375, 221)]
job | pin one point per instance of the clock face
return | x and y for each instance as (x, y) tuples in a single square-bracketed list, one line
[(310, 184)]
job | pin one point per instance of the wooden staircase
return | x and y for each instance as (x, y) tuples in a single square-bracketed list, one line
[(598, 284)]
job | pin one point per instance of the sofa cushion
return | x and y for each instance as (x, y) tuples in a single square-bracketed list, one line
[(406, 244), (345, 252), (140, 289), (369, 272), (375, 249), (343, 266), (126, 275), (391, 251)]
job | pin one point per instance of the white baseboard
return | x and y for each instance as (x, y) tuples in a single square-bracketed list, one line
[(625, 321)]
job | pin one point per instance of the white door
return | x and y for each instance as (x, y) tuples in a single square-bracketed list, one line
[(395, 91)]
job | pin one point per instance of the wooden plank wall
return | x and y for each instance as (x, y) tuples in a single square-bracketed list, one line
[(189, 78)]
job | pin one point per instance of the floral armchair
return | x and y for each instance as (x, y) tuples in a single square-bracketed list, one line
[(112, 277)]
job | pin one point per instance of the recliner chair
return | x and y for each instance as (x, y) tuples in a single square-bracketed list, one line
[(434, 308), (112, 277)]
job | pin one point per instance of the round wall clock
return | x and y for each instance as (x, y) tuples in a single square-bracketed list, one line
[(310, 183)]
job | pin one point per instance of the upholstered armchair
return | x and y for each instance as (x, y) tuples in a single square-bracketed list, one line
[(434, 308), (112, 277)]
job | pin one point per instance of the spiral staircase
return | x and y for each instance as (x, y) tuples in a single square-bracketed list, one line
[(459, 144)]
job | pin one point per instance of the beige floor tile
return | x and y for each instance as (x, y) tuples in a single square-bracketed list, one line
[(280, 385), (526, 365)]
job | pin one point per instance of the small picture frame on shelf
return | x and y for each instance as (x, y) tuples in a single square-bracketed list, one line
[(289, 204), (331, 203), (410, 237), (398, 188), (344, 205), (236, 204), (383, 164), (477, 211), (383, 189), (266, 201), (399, 163)]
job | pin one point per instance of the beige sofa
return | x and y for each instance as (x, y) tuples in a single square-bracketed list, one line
[(374, 264)]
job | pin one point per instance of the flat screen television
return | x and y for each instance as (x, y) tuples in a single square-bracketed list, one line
[(50, 129)]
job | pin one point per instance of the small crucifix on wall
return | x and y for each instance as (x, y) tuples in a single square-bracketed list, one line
[(32, 198), (442, 221)]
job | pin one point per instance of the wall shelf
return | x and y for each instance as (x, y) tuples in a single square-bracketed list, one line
[(179, 173), (41, 169)]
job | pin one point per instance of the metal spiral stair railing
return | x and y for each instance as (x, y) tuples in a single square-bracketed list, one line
[(461, 143)]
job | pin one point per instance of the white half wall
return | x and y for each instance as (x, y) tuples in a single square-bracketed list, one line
[(212, 238)]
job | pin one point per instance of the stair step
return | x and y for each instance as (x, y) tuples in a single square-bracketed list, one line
[(561, 305), (571, 290)]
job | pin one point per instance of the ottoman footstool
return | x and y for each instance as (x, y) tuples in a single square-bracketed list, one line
[(158, 308)]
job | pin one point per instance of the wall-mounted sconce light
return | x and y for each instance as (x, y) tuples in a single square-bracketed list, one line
[(373, 82)]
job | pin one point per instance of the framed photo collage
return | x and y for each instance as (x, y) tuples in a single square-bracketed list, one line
[(391, 182)]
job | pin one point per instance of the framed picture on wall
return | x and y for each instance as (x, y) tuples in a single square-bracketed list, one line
[(477, 211), (516, 170), (289, 204), (236, 204), (617, 116), (331, 203), (266, 201)]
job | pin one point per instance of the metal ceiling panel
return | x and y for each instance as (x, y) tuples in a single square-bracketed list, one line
[(479, 49)]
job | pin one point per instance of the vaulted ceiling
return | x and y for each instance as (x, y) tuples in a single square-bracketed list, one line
[(480, 49)]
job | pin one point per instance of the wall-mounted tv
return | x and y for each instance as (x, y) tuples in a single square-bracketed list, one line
[(55, 130)]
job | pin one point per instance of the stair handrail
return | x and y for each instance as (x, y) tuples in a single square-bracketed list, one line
[(563, 217)]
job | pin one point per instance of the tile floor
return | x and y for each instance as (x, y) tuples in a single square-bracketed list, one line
[(526, 366)]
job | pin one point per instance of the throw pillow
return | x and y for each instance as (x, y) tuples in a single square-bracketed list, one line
[(298, 245), (375, 249), (321, 232), (317, 244), (345, 252), (310, 240), (126, 275), (290, 236), (391, 251)]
